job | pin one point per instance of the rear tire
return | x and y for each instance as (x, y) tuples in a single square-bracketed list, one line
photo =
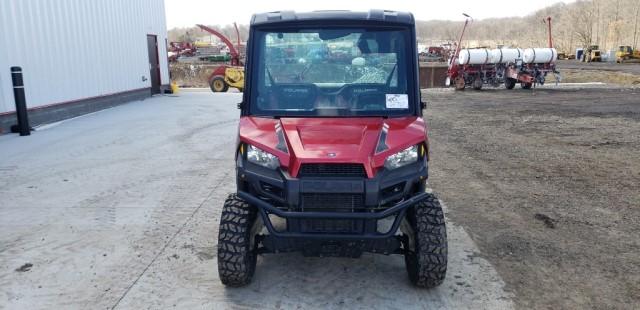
[(460, 83), (426, 248), (526, 85), (477, 83), (218, 85), (236, 246), (510, 83)]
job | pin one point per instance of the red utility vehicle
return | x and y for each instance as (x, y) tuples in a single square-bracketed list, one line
[(332, 154)]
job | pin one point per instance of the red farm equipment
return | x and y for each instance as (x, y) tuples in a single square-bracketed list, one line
[(508, 66), (227, 75), (179, 49), (433, 54)]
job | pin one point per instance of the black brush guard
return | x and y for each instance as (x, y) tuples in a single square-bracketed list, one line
[(398, 210)]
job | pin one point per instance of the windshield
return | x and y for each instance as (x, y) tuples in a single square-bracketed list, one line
[(331, 72)]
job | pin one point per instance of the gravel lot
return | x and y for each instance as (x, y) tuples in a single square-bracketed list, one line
[(119, 209), (633, 68), (572, 71), (547, 183)]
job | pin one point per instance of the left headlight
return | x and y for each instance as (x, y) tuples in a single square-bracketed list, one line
[(262, 158), (402, 158)]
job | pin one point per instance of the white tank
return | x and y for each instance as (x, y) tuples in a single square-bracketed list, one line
[(540, 55), (476, 56), (505, 55)]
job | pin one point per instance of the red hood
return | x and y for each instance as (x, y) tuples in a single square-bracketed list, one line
[(332, 140)]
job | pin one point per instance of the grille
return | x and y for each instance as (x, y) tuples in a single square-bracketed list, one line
[(332, 170), (332, 226), (332, 202)]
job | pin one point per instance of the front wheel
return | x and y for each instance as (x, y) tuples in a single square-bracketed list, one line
[(236, 242), (426, 243)]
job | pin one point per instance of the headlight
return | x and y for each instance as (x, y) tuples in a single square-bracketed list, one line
[(402, 158), (262, 158)]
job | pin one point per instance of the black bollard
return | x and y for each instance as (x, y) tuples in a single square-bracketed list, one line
[(21, 104)]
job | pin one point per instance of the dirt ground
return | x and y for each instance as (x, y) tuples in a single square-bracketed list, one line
[(604, 72), (597, 76), (120, 210), (196, 74), (547, 183), (633, 68), (189, 75)]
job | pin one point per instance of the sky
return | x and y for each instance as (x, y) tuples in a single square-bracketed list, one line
[(187, 13)]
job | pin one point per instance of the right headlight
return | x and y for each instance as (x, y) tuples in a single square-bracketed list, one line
[(402, 158), (262, 158)]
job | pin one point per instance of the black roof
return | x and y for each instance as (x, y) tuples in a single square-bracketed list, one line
[(321, 16)]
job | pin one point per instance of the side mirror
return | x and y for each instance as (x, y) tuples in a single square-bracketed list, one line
[(239, 105), (423, 105)]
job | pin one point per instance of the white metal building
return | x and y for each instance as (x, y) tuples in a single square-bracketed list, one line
[(79, 56)]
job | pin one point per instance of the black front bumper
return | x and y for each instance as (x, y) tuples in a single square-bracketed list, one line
[(397, 211), (387, 197)]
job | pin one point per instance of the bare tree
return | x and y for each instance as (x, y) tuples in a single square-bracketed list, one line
[(583, 19), (578, 24)]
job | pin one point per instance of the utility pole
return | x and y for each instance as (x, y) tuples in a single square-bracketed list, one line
[(635, 29), (590, 27), (616, 25), (597, 22)]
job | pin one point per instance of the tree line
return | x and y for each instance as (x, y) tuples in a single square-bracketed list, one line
[(607, 23), (192, 34)]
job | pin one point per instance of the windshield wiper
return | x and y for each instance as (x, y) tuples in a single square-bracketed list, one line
[(273, 81), (300, 76), (390, 77)]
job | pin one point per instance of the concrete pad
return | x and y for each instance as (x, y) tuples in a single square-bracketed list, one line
[(120, 209)]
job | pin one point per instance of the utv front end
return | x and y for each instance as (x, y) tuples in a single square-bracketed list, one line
[(332, 154)]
